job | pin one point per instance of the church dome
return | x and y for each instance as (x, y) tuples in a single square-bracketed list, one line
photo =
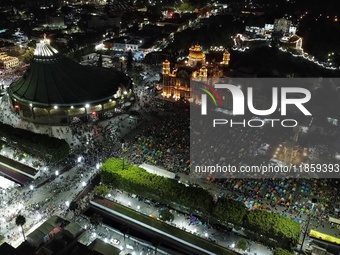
[(195, 52), (55, 88), (53, 79)]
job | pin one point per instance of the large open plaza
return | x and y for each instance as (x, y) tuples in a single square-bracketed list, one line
[(169, 127)]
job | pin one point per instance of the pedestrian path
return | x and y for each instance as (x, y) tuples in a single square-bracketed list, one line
[(182, 221)]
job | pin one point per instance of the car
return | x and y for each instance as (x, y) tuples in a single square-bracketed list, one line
[(115, 241), (146, 201)]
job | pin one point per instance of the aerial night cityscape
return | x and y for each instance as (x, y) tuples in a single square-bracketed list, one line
[(184, 127)]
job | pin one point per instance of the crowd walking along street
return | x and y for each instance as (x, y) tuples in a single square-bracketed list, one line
[(54, 197)]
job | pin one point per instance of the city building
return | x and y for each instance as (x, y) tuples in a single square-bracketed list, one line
[(293, 42), (282, 25), (176, 81), (56, 90), (7, 62), (56, 21), (226, 58), (123, 44), (59, 236), (103, 20), (196, 56)]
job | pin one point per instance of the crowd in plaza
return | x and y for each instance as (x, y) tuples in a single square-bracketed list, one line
[(18, 201), (165, 142)]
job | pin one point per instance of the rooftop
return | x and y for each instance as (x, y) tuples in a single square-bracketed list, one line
[(53, 79)]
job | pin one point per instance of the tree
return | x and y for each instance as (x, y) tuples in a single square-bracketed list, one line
[(73, 206), (156, 241), (273, 225), (138, 181), (28, 56), (186, 7), (20, 220), (166, 215), (2, 238), (242, 245), (279, 251), (124, 229), (129, 61), (230, 211), (96, 219), (100, 61), (101, 190)]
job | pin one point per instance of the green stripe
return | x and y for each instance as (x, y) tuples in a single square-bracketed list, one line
[(211, 95)]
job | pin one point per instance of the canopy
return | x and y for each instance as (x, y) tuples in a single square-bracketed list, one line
[(36, 238), (72, 230)]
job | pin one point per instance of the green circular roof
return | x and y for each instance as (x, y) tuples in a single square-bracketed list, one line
[(53, 79)]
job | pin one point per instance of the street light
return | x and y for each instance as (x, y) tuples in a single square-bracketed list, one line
[(314, 200), (123, 148)]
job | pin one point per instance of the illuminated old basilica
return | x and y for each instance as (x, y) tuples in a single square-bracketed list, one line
[(176, 81)]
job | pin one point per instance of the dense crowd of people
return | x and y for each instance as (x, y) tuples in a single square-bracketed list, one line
[(165, 143)]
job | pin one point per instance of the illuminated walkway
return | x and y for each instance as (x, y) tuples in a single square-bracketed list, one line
[(152, 228)]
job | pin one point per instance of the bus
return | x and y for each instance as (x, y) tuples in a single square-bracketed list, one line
[(324, 237)]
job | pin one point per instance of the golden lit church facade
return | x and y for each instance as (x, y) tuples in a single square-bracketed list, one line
[(176, 81)]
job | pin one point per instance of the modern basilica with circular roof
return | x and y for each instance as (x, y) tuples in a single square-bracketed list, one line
[(56, 90)]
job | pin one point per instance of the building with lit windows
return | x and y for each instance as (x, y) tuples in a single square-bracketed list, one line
[(56, 90), (123, 44), (7, 62), (282, 25), (196, 56), (292, 42), (176, 81)]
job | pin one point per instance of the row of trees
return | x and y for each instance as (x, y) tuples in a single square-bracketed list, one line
[(279, 251), (40, 145), (136, 180)]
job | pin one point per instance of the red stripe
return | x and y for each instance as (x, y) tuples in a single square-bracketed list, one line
[(215, 92)]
